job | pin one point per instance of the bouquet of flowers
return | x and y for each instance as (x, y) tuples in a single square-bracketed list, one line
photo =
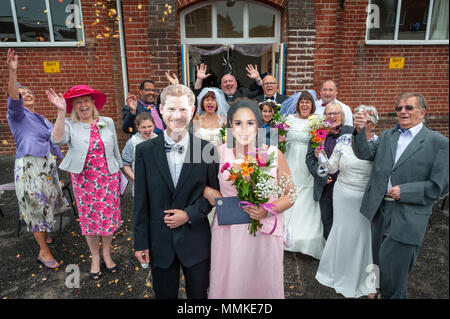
[(318, 129), (282, 125), (254, 184)]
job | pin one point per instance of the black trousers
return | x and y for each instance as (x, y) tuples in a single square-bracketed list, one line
[(166, 282), (326, 212)]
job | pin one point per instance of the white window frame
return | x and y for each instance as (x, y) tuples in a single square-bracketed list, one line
[(52, 42), (395, 41), (226, 41)]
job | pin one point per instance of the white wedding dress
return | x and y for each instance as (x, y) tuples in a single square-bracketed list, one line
[(346, 263), (303, 218), (210, 135)]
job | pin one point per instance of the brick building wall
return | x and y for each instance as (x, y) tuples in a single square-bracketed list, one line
[(323, 40), (97, 64), (362, 71)]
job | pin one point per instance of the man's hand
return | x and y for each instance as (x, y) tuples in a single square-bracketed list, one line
[(175, 218), (360, 120), (132, 102), (329, 180), (252, 72), (394, 192), (201, 72), (143, 256), (172, 79)]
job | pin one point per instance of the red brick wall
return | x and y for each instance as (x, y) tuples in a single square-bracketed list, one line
[(97, 64), (362, 71)]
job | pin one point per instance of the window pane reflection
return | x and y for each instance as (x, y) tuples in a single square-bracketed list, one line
[(7, 32), (65, 30), (230, 20), (32, 19), (413, 20), (387, 17), (198, 23), (261, 21)]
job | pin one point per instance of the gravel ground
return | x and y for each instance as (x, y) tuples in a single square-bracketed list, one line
[(23, 278)]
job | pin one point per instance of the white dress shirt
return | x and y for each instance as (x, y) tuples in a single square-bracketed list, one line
[(404, 139), (175, 160), (347, 111)]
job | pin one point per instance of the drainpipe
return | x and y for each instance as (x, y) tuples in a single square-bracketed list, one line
[(123, 56)]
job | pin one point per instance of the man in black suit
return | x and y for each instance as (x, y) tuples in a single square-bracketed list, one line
[(171, 228), (228, 83), (270, 88), (147, 102)]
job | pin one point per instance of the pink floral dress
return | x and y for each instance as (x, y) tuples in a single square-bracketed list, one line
[(97, 191)]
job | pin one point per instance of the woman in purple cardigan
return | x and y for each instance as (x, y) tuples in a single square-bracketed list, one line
[(36, 179)]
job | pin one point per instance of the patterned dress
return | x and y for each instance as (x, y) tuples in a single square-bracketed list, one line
[(97, 191)]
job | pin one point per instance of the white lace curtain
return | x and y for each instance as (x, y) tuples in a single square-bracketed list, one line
[(439, 20), (255, 50)]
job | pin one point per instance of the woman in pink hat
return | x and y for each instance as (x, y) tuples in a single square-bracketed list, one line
[(94, 160)]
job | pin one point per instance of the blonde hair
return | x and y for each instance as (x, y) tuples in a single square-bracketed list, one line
[(338, 106), (75, 118)]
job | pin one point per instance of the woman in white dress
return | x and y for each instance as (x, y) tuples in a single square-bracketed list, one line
[(302, 222), (212, 110), (346, 264)]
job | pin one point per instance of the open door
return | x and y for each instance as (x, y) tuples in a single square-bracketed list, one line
[(185, 65), (271, 62)]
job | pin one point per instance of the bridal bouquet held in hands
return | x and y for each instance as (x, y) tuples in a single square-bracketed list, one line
[(254, 184), (318, 128)]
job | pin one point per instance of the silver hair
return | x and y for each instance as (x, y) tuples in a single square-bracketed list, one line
[(371, 112)]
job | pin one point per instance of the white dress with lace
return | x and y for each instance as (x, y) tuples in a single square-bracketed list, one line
[(210, 135), (346, 263), (303, 219)]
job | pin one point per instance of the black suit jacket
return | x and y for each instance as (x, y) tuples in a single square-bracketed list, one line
[(128, 118), (154, 192), (279, 98)]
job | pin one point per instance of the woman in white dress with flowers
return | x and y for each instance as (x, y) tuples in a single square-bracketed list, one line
[(303, 224), (346, 263)]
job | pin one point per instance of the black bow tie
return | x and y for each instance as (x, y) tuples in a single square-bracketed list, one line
[(173, 147), (401, 129)]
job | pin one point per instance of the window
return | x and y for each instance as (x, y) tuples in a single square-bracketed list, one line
[(219, 23), (407, 22), (41, 23)]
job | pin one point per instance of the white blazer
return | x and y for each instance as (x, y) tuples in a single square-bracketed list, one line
[(76, 137)]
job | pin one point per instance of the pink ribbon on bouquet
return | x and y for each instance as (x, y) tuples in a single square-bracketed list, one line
[(266, 206)]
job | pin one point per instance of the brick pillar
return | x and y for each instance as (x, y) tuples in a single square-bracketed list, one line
[(301, 39)]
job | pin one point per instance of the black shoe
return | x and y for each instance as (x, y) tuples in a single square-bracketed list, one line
[(95, 275), (112, 270)]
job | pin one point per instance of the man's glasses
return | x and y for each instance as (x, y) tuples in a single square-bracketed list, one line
[(149, 90), (407, 107), (270, 83), (332, 114)]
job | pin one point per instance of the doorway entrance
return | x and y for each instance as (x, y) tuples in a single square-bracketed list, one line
[(229, 37)]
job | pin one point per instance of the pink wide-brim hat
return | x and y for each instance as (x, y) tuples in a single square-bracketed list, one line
[(81, 90)]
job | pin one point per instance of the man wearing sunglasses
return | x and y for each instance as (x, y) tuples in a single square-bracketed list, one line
[(410, 172), (147, 102)]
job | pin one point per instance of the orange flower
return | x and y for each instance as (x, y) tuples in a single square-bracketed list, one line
[(233, 177)]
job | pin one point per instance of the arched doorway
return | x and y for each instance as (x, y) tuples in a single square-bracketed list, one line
[(228, 35)]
